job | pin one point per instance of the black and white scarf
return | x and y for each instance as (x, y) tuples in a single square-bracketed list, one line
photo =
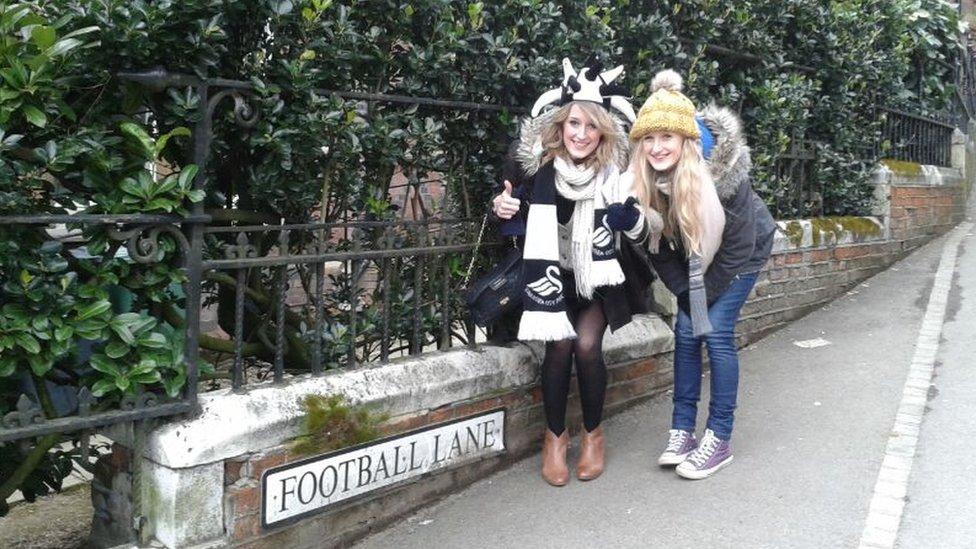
[(593, 253)]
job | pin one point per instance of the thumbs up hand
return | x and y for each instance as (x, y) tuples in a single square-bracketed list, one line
[(504, 205)]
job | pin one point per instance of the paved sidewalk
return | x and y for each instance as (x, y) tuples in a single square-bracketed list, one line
[(941, 509), (811, 431)]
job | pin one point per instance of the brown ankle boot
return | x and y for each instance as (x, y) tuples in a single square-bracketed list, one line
[(554, 468), (591, 460)]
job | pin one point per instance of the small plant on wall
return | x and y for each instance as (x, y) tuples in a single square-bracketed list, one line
[(331, 424)]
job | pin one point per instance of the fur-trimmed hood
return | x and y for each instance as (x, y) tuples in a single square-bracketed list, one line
[(528, 151), (730, 160)]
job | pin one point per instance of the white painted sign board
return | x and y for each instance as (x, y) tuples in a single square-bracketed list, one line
[(298, 489)]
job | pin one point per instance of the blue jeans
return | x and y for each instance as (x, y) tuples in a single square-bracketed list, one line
[(723, 356)]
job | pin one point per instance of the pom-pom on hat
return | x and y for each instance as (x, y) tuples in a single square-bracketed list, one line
[(666, 110)]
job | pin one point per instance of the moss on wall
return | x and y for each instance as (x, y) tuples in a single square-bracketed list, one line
[(331, 424), (794, 232), (902, 167), (859, 227), (823, 228)]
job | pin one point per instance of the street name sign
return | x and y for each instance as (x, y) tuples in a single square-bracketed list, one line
[(312, 485)]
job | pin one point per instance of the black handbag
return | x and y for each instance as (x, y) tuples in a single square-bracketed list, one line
[(499, 290)]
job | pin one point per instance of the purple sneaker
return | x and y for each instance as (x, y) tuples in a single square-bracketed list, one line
[(711, 455), (680, 445)]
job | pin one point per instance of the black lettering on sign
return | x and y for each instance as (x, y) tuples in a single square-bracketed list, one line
[(381, 466), (345, 486), (285, 492), (335, 481), (437, 458), (489, 434), (455, 445), (301, 488), (396, 462), (413, 452), (473, 436), (364, 462)]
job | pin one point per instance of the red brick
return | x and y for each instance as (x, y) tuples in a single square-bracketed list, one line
[(817, 256), (405, 423), (246, 527), (633, 371), (516, 399), (793, 258), (441, 414), (244, 501), (260, 465), (232, 470), (849, 252), (476, 407)]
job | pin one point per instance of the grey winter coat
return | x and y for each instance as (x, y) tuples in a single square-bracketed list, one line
[(749, 228)]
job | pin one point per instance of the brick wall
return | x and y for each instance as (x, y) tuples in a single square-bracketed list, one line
[(797, 281), (918, 212), (628, 383)]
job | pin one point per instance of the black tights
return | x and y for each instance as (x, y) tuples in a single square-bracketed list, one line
[(591, 372)]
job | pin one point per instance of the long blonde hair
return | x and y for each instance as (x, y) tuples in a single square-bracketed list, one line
[(682, 210), (605, 153)]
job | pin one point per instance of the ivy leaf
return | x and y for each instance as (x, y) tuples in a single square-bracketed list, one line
[(102, 387), (43, 36), (116, 349), (122, 383), (123, 332), (102, 364), (95, 309), (35, 116), (179, 131), (146, 378), (40, 364), (28, 343), (139, 139), (155, 340), (145, 365), (8, 365), (186, 176)]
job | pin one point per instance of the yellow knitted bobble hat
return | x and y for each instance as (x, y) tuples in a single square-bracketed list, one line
[(666, 110)]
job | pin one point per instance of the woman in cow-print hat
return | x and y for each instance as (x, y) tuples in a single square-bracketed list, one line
[(563, 197)]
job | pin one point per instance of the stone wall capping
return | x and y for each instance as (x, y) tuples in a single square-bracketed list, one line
[(231, 424)]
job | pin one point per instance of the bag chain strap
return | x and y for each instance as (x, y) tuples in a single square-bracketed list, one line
[(474, 254), (477, 247)]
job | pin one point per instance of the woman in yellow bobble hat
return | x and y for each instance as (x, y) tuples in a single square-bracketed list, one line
[(710, 234)]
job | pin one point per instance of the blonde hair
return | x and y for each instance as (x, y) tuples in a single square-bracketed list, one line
[(682, 210), (605, 153)]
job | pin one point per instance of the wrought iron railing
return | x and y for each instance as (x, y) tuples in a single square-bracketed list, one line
[(915, 138), (802, 192), (310, 297)]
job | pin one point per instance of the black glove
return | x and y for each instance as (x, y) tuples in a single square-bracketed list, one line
[(623, 217)]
